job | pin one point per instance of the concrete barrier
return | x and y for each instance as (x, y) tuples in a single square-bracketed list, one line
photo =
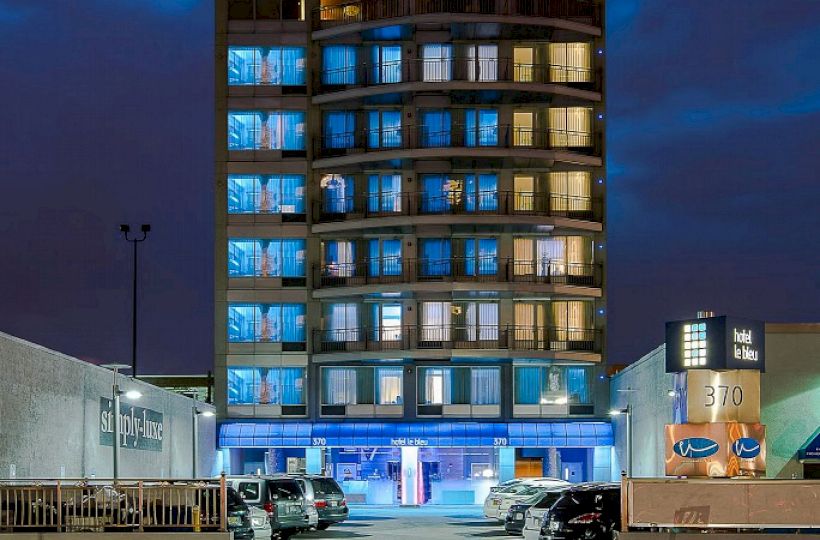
[(117, 536)]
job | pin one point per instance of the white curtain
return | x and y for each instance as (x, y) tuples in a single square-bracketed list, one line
[(389, 384), (485, 386), (339, 386), (482, 62), (570, 62), (551, 253), (435, 321), (570, 126), (343, 322), (570, 190)]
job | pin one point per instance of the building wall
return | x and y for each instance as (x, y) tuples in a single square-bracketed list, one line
[(789, 401), (50, 420)]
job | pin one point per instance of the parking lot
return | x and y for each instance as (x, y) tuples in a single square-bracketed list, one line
[(423, 523)]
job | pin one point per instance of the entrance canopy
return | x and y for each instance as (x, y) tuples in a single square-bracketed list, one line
[(434, 434), (811, 449)]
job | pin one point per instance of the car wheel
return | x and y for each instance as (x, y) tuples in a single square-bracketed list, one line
[(322, 526)]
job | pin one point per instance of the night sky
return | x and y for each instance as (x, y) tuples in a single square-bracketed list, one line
[(107, 115)]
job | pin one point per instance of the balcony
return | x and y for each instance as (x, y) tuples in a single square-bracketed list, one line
[(390, 271), (390, 12), (460, 73), (419, 142), (440, 209), (473, 337)]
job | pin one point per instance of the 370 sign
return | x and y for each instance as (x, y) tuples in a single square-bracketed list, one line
[(722, 395)]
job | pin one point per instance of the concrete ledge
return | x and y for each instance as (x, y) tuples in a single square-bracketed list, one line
[(699, 536)]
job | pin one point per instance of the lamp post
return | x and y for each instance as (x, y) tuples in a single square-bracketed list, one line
[(125, 230), (195, 414), (116, 393), (627, 412)]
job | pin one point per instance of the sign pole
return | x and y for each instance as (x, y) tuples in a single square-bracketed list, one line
[(116, 397)]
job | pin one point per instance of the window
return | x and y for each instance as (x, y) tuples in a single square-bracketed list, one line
[(531, 323), (435, 256), (570, 62), (386, 62), (480, 257), (437, 62), (572, 320), (481, 127), (482, 62), (339, 258), (476, 321), (386, 321), (481, 192), (384, 257), (384, 193), (552, 256), (266, 194), (266, 65), (524, 189), (337, 193), (342, 322), (570, 126), (523, 64), (339, 64), (266, 386), (570, 191), (459, 386), (384, 129), (274, 257), (552, 385), (523, 128), (438, 191), (361, 385), (339, 129), (266, 130), (435, 321), (274, 323), (435, 128)]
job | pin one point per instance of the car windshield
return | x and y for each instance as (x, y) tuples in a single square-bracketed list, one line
[(532, 499), (326, 486)]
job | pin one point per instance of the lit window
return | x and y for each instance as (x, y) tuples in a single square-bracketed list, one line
[(339, 64), (266, 386), (694, 345), (266, 194), (266, 66), (570, 62), (275, 323), (437, 62)]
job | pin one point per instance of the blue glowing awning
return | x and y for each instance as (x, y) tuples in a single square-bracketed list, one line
[(434, 434)]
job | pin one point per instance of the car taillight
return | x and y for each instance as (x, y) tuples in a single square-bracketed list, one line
[(343, 503), (268, 506), (320, 503), (585, 519)]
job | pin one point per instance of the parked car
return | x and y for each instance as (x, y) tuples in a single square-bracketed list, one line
[(282, 499), (260, 523), (239, 520), (587, 511), (324, 494), (530, 526), (506, 484), (494, 502)]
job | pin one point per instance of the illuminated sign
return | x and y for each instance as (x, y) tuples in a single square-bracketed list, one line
[(140, 428), (716, 449), (715, 343), (695, 447), (722, 396)]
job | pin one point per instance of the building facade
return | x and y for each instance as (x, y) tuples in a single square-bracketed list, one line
[(410, 285), (789, 405)]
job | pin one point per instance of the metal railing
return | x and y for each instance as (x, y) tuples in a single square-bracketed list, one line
[(495, 203), (487, 337), (112, 505), (412, 137), (389, 270), (461, 69), (357, 11)]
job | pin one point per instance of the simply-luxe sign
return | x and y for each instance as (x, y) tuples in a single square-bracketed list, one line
[(140, 428), (715, 343)]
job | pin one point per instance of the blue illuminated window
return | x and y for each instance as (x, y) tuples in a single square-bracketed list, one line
[(459, 386), (361, 385), (339, 258), (435, 195), (337, 193), (339, 64), (384, 193), (481, 127), (266, 130), (481, 192), (266, 194), (437, 62), (339, 129), (276, 257), (435, 255), (435, 128), (384, 257), (274, 323), (481, 256), (552, 385), (266, 66), (386, 63), (266, 386), (384, 129)]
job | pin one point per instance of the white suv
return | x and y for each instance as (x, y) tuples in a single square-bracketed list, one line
[(505, 497)]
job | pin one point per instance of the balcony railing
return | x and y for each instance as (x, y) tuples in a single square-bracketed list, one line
[(492, 203), (480, 70), (338, 13), (390, 270), (459, 136), (487, 337)]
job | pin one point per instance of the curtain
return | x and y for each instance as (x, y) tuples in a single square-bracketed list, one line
[(340, 258), (482, 62), (244, 129), (342, 321), (389, 385), (293, 65), (487, 192), (338, 386), (551, 256), (481, 127), (434, 193), (293, 258), (459, 386), (434, 386), (438, 62), (435, 321), (241, 385), (391, 255), (241, 257), (570, 191), (386, 61), (384, 129), (243, 65), (339, 129), (570, 62), (523, 64), (293, 194), (373, 257), (570, 126), (339, 64), (338, 193), (527, 385), (435, 254), (293, 322), (486, 386), (524, 188), (243, 192), (487, 256), (364, 385), (523, 257), (577, 385), (523, 128), (293, 386), (435, 128), (242, 321)]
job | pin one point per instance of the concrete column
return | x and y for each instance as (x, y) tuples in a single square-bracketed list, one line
[(410, 476), (506, 463)]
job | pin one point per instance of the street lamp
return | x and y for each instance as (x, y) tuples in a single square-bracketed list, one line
[(116, 393), (195, 414), (125, 229), (627, 411)]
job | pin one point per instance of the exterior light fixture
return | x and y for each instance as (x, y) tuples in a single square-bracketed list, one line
[(133, 394)]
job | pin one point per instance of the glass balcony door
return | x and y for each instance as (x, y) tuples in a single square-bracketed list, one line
[(386, 64), (482, 62), (524, 64), (524, 123), (437, 62)]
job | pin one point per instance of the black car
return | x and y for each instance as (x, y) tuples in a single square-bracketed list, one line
[(587, 511), (516, 516), (239, 519)]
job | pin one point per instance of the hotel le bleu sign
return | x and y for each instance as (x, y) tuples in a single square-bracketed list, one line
[(715, 343), (140, 428)]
